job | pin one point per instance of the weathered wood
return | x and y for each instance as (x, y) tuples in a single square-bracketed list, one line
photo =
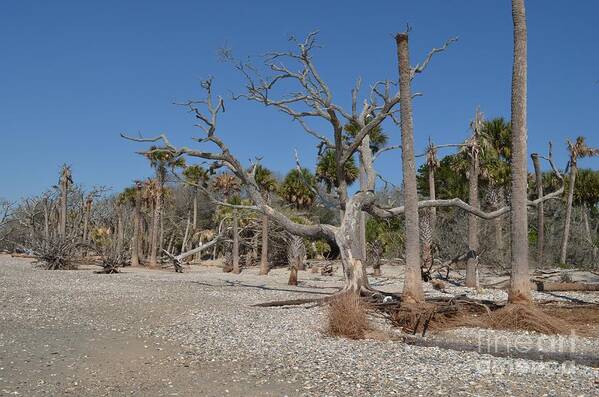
[(557, 286)]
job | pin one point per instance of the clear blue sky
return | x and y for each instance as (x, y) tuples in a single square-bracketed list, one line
[(74, 74)]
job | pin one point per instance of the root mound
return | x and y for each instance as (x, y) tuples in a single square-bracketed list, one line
[(347, 317), (526, 317)]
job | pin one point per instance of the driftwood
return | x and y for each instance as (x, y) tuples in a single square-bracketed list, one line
[(550, 286), (535, 354), (178, 259)]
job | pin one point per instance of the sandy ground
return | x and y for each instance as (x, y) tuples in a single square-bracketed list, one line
[(160, 333)]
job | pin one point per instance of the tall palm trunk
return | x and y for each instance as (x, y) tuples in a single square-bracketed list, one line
[(264, 266), (568, 219), (135, 243), (540, 211), (431, 222), (64, 191), (413, 291), (473, 225), (161, 235), (236, 268), (519, 284), (155, 229)]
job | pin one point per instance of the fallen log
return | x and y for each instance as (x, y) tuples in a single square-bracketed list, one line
[(498, 350), (551, 286)]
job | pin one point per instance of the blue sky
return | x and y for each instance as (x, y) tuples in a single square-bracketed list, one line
[(75, 74)]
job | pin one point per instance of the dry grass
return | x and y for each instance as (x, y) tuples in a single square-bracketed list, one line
[(347, 317), (523, 317), (526, 318)]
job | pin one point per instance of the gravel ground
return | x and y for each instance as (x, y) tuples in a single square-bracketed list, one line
[(196, 333)]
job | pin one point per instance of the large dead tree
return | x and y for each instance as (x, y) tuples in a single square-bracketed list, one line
[(314, 100)]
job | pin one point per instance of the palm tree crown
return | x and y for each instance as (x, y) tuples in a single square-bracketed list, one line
[(326, 170), (298, 188)]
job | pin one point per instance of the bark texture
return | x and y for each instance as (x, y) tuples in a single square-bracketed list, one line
[(264, 265), (473, 223), (519, 285), (413, 291)]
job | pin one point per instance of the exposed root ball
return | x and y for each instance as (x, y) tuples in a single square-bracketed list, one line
[(414, 317), (347, 317)]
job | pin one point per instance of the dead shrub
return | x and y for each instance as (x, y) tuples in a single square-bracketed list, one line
[(347, 317), (55, 252)]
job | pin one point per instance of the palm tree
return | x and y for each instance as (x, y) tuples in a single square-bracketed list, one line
[(298, 188), (128, 197), (326, 170), (578, 149), (197, 177), (586, 195), (267, 184), (229, 185), (496, 165), (498, 132), (65, 181), (475, 146), (161, 161), (413, 290), (519, 290)]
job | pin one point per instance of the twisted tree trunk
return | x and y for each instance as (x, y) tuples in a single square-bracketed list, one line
[(519, 284), (413, 291), (354, 269)]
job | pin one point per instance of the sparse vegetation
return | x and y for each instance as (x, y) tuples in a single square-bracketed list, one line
[(471, 237)]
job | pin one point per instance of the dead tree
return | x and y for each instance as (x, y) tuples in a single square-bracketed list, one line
[(315, 100)]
